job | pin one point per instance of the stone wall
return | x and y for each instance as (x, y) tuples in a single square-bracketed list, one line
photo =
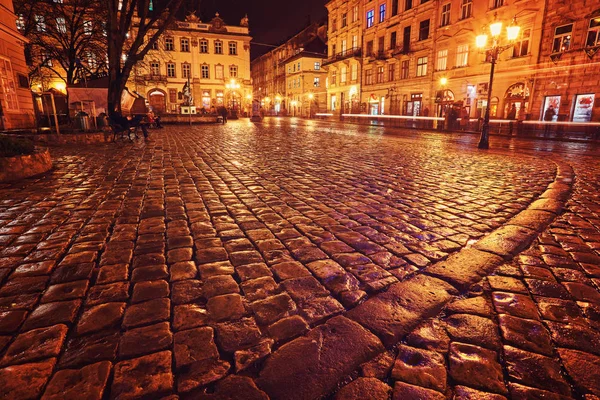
[(21, 167)]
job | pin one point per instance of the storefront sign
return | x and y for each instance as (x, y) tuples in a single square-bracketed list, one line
[(582, 112)]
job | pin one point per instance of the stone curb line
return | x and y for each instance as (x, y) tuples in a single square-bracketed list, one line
[(313, 365)]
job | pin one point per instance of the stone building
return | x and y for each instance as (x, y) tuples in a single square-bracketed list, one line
[(15, 96), (345, 50), (568, 75), (212, 56), (269, 72)]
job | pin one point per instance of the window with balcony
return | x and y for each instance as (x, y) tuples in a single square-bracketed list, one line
[(370, 18), (381, 12), (380, 71), (369, 77), (442, 60), (169, 44), (593, 36), (562, 38), (445, 18), (421, 66), (204, 71), (393, 40), (466, 9), (186, 70), (233, 71), (232, 48), (521, 46), (155, 68), (204, 46), (171, 70), (462, 55), (185, 45), (391, 72), (218, 47), (424, 30), (404, 71)]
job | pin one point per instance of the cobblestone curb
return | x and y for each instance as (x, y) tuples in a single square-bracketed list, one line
[(391, 315), (21, 167)]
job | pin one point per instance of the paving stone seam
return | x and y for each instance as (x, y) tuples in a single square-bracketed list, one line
[(444, 282)]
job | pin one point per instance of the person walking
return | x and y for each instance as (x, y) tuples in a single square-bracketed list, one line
[(548, 117), (512, 115), (464, 119), (224, 114)]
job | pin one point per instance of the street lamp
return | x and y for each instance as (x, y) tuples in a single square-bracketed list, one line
[(492, 53)]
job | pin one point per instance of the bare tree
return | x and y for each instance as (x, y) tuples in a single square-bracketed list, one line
[(133, 28), (66, 38)]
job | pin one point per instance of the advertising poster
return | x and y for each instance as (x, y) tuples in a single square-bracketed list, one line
[(553, 101), (582, 112)]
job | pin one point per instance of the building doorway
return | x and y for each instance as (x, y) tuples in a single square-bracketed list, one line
[(517, 95), (158, 101)]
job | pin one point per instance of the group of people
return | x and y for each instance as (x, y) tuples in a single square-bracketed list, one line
[(451, 118)]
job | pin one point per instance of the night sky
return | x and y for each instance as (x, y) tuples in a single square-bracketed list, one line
[(271, 21)]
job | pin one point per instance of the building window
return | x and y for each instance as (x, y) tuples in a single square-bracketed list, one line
[(467, 9), (424, 30), (562, 38), (232, 48), (382, 12), (369, 48), (317, 82), (185, 45), (343, 74), (405, 69), (9, 89), (155, 45), (344, 46), (169, 44), (354, 73), (354, 42), (46, 59), (219, 72), (355, 14), (204, 46), (394, 7), (408, 4), (61, 25), (171, 70), (370, 18), (445, 20), (344, 20), (369, 77), (521, 47), (381, 44), (462, 55), (205, 72), (155, 68), (21, 23), (333, 77), (186, 70), (218, 47), (393, 39), (380, 71), (233, 71), (333, 49), (497, 3), (593, 37), (442, 60), (422, 66), (317, 65), (334, 25), (40, 23), (172, 95), (391, 72), (88, 28), (406, 40)]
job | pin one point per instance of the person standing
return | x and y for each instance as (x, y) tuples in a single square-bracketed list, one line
[(464, 119), (224, 114), (512, 115), (548, 117)]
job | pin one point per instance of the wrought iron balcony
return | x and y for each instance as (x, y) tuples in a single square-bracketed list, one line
[(350, 53)]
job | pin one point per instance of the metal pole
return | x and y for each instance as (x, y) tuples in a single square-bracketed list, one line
[(54, 111), (484, 141), (189, 102)]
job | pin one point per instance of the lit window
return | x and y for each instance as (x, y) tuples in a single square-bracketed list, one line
[(442, 60), (391, 72), (317, 66), (8, 87), (343, 74), (232, 48), (317, 82), (354, 72), (61, 25), (171, 70), (370, 18), (462, 55), (21, 23), (344, 20), (369, 77), (521, 47), (355, 14), (562, 38), (40, 23), (88, 28), (380, 71), (333, 77), (593, 37), (422, 66), (382, 12), (405, 69), (205, 73)]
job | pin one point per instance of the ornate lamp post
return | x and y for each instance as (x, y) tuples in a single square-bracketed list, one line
[(492, 53)]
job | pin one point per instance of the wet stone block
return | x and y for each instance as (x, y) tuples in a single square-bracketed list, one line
[(36, 344), (364, 388), (88, 382), (420, 367), (476, 367), (147, 339), (25, 381), (148, 376)]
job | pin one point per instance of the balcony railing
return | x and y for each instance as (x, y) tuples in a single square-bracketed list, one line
[(353, 52), (399, 50), (152, 78)]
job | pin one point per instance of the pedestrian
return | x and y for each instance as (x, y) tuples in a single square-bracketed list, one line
[(512, 115), (464, 119), (224, 113), (548, 117), (426, 115)]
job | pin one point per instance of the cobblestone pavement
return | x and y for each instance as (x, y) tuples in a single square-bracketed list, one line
[(214, 260)]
